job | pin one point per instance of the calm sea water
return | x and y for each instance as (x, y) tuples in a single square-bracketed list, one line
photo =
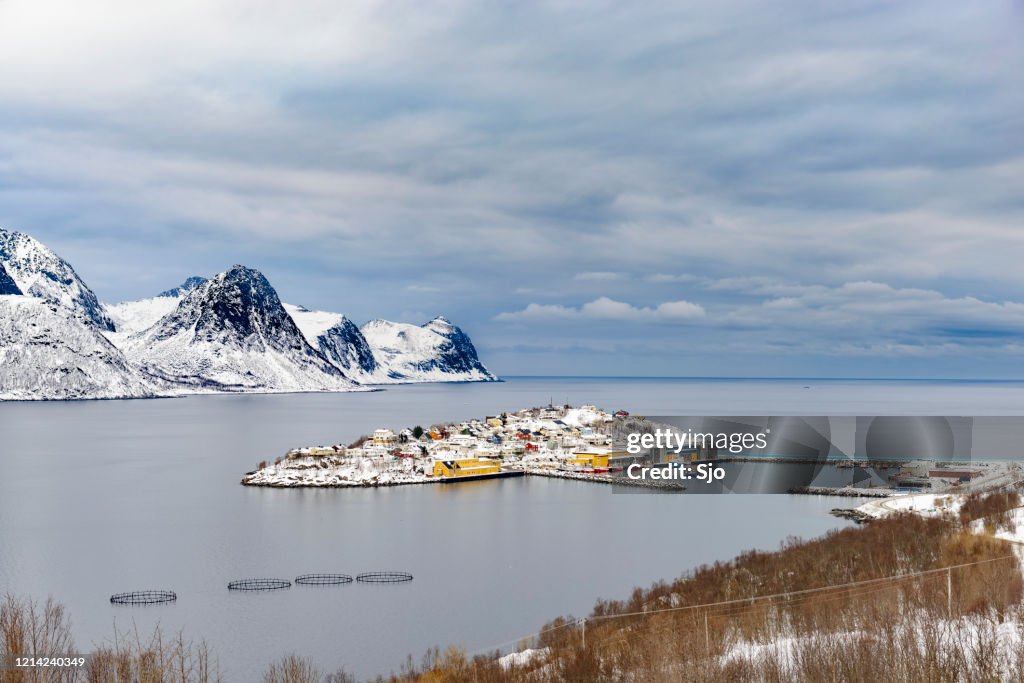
[(106, 496)]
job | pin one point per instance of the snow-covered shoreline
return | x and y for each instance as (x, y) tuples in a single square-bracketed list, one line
[(564, 442), (930, 503)]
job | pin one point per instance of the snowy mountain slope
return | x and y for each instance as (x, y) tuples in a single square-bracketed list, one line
[(312, 323), (132, 317), (384, 352), (231, 333), (39, 272), (435, 352), (7, 285), (184, 288), (48, 354), (338, 339), (457, 354)]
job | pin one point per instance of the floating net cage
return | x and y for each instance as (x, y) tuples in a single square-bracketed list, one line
[(143, 598), (258, 585), (384, 577), (323, 579)]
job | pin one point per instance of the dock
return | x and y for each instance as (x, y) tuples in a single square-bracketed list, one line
[(504, 474)]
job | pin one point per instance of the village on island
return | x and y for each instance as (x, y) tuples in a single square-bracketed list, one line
[(554, 440), (584, 443)]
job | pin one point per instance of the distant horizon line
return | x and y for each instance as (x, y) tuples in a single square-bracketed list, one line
[(770, 378)]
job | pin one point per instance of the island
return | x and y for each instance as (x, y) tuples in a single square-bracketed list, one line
[(553, 440)]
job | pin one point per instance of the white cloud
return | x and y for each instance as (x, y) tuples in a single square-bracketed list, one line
[(877, 316), (654, 145), (671, 277), (599, 276), (606, 308)]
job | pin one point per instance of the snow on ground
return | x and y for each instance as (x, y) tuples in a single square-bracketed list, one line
[(971, 632), (580, 417), (522, 658), (933, 504), (1015, 532), (924, 504), (327, 471)]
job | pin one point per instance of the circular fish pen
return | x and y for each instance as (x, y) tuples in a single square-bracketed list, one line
[(143, 598), (384, 577), (259, 585), (323, 579)]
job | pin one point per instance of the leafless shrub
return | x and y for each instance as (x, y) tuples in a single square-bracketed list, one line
[(292, 669), (132, 659), (994, 508), (27, 629), (340, 676)]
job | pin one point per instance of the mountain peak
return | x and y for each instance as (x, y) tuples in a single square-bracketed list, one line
[(184, 288), (437, 350), (38, 271), (241, 271), (232, 332), (240, 302)]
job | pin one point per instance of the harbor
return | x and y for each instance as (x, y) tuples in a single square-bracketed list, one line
[(587, 443), (553, 440)]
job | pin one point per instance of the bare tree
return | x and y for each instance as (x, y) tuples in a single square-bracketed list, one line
[(292, 669)]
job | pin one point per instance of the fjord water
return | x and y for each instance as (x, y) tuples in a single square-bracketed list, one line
[(99, 497)]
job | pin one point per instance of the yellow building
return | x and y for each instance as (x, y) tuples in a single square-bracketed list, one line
[(466, 467), (590, 460)]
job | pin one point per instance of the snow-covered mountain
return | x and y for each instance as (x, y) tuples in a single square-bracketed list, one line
[(383, 352), (184, 288), (7, 285), (48, 354), (437, 351), (443, 353), (39, 272), (132, 317), (338, 339), (231, 333)]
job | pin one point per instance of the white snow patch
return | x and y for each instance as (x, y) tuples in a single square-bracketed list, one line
[(522, 658)]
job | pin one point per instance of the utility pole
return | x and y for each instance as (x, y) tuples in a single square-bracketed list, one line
[(582, 623), (949, 593), (707, 636)]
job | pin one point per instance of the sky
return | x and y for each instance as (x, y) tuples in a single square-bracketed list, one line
[(682, 189)]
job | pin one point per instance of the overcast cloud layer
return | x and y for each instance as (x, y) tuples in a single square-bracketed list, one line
[(711, 189)]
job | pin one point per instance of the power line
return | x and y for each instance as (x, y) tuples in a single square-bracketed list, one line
[(747, 603), (804, 591)]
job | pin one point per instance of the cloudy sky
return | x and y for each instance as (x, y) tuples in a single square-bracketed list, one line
[(712, 188)]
